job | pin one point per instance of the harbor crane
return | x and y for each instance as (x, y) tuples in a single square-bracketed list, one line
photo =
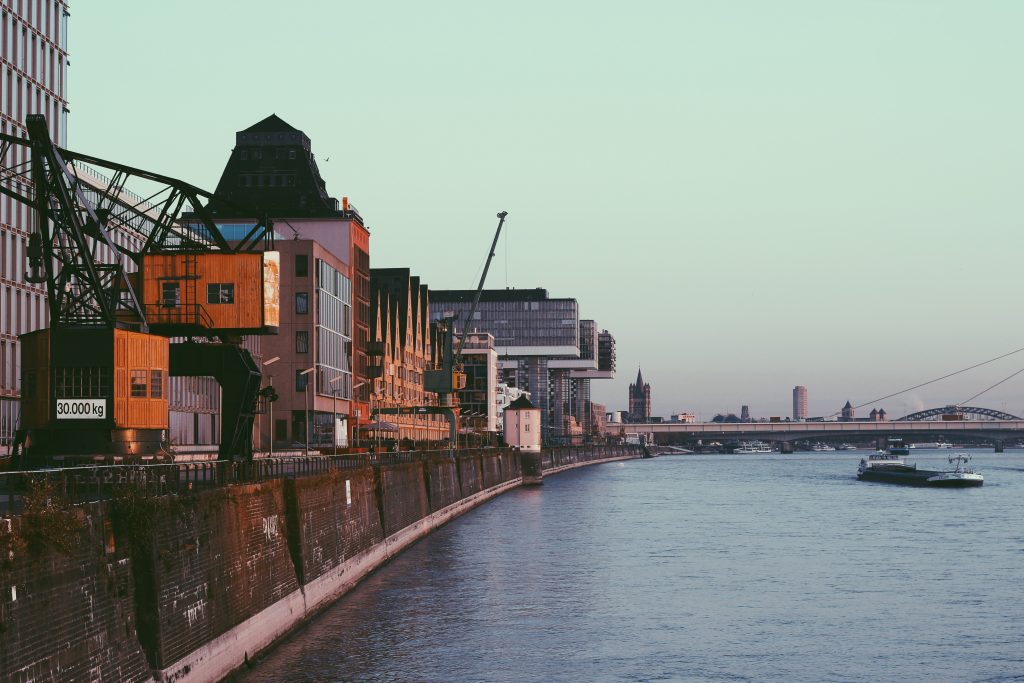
[(450, 377), (139, 289)]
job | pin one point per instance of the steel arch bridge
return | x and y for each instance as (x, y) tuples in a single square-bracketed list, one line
[(957, 410)]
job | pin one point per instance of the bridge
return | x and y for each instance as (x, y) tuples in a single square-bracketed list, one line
[(996, 432), (955, 411)]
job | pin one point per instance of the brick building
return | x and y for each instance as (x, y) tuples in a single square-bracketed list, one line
[(321, 372)]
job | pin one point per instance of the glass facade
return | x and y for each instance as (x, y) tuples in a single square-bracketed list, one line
[(530, 332), (333, 331), (33, 80), (513, 317)]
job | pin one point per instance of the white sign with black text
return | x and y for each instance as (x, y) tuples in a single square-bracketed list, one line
[(81, 408)]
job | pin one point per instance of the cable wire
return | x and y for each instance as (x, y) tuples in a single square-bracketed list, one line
[(1005, 379), (939, 379)]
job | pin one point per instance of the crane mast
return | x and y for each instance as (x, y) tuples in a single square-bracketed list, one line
[(449, 378), (123, 274)]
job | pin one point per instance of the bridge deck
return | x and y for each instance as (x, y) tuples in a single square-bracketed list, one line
[(792, 431)]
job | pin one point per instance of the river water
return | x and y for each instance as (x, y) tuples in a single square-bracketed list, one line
[(696, 568)]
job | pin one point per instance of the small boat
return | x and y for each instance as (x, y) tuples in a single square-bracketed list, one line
[(898, 447), (751, 447), (822, 447), (847, 447), (933, 444), (891, 469)]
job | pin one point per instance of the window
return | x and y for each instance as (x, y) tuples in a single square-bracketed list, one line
[(245, 155), (291, 154), (156, 383), (302, 342), (84, 382), (220, 293), (301, 265), (138, 384), (302, 303), (301, 381), (170, 294)]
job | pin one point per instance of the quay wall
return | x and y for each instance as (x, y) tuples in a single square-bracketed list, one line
[(192, 586)]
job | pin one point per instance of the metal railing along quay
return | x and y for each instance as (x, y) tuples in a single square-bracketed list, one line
[(99, 482)]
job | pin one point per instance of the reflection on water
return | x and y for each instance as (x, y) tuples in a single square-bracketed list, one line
[(696, 568)]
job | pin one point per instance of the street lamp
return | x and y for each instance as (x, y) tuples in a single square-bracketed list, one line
[(267, 362), (305, 395), (355, 437)]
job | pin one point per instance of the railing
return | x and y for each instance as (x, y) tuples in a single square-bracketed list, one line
[(570, 455), (179, 314), (101, 482)]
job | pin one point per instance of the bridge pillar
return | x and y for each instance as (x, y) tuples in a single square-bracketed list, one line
[(785, 447), (998, 445)]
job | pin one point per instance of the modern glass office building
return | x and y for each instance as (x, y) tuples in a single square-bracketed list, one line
[(33, 80), (542, 347)]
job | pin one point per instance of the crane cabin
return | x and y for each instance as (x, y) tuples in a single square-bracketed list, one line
[(187, 292)]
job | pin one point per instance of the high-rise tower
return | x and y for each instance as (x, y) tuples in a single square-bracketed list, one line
[(799, 403), (639, 399)]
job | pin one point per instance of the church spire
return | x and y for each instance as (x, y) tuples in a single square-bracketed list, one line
[(639, 377)]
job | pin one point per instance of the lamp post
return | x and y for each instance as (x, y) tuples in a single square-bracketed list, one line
[(334, 427), (271, 361), (305, 395), (355, 437)]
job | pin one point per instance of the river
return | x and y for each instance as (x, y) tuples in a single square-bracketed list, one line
[(696, 568)]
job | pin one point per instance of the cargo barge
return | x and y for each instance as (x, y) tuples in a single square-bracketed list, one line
[(891, 469)]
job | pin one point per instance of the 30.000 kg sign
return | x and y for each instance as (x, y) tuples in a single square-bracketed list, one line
[(81, 408)]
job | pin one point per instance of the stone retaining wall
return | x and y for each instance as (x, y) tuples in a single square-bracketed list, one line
[(190, 587)]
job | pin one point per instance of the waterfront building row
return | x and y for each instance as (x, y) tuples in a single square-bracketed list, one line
[(349, 340)]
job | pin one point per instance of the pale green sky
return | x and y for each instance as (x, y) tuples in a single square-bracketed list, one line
[(749, 195)]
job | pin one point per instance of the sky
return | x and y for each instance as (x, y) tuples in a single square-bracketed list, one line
[(749, 195)]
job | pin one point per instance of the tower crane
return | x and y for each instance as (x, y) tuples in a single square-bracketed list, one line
[(123, 275), (450, 377)]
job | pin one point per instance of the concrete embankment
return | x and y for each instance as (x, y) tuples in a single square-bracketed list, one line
[(189, 587)]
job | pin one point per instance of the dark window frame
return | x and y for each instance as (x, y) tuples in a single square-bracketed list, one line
[(303, 307), (167, 287), (138, 389), (156, 383), (220, 293)]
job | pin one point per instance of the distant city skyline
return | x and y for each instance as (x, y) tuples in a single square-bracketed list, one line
[(748, 196)]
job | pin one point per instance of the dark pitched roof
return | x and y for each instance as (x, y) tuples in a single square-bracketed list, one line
[(848, 405), (272, 171), (639, 378), (521, 403), (271, 124)]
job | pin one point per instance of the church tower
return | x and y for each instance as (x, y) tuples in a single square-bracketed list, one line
[(639, 399)]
